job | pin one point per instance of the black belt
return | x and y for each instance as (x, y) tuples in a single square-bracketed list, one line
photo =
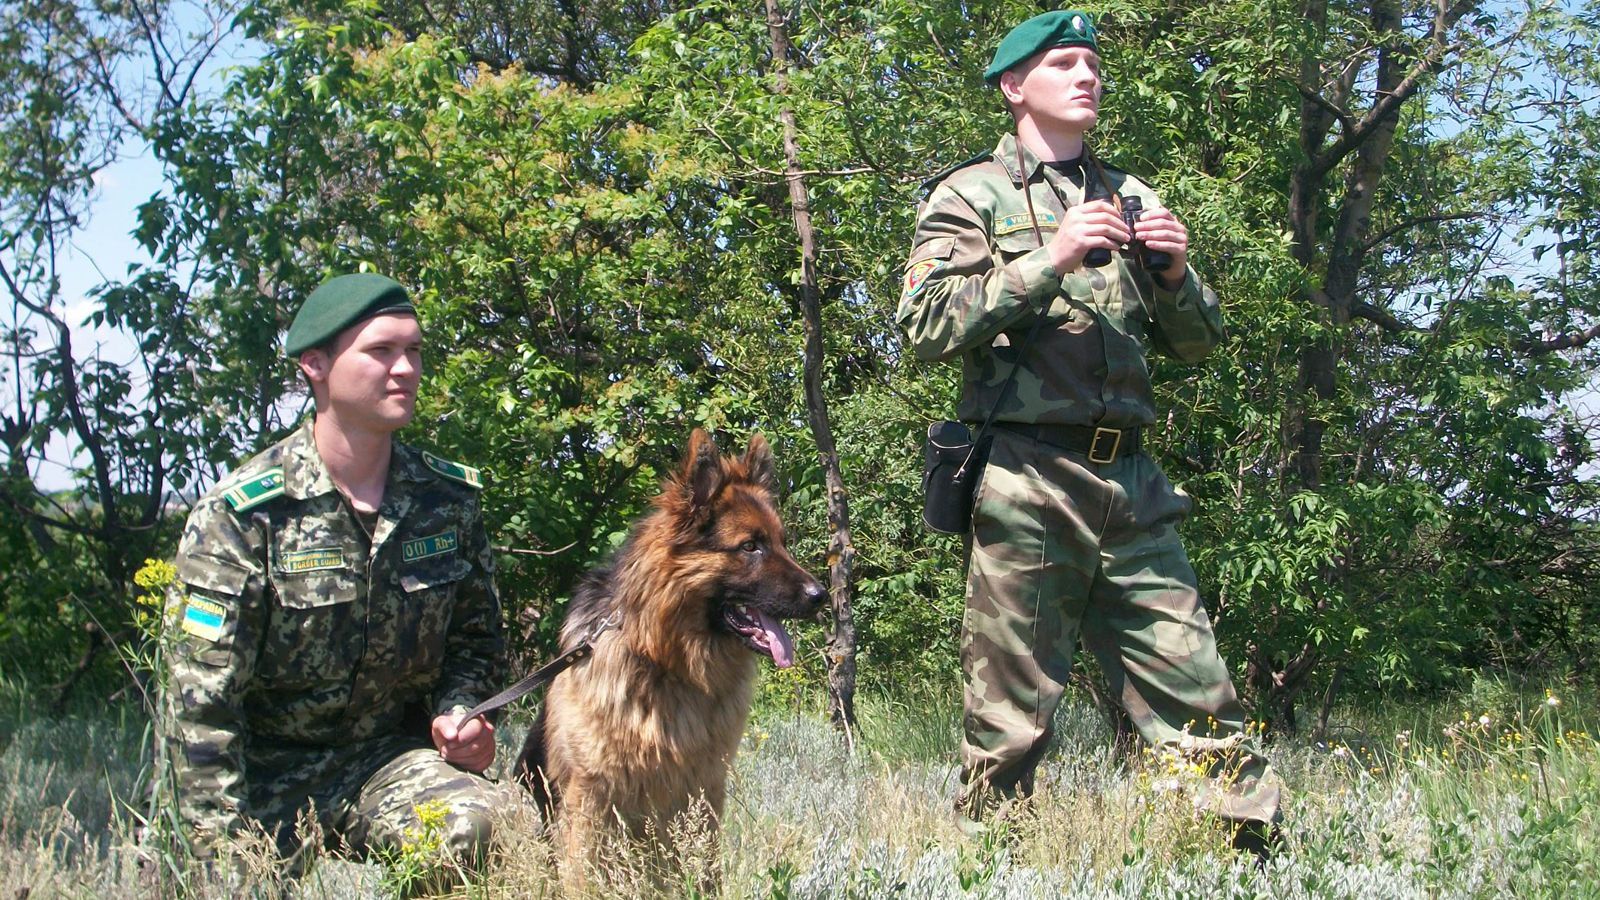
[(1101, 445)]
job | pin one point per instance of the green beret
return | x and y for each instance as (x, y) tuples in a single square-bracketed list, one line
[(1062, 28), (340, 302)]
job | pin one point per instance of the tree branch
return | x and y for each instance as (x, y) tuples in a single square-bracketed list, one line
[(1347, 122), (524, 552), (1383, 318), (1541, 347), (1398, 227), (1389, 102)]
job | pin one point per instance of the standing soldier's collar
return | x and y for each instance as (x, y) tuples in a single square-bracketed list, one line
[(1005, 153)]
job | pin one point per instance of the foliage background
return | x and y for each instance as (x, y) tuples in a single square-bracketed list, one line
[(588, 201)]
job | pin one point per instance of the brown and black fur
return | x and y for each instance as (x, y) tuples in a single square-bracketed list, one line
[(645, 728)]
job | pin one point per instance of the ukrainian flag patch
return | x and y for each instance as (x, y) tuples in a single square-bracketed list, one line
[(204, 618)]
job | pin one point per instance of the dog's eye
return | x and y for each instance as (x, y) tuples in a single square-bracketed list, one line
[(749, 546)]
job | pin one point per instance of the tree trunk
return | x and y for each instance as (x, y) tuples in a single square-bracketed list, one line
[(841, 552)]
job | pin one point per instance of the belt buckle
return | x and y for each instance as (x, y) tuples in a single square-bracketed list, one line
[(1094, 445)]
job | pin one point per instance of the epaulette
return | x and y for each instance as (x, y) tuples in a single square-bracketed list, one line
[(467, 475), (931, 183), (258, 490)]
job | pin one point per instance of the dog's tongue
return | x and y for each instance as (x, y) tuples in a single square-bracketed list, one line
[(778, 643)]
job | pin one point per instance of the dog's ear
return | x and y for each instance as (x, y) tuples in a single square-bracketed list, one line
[(758, 462), (702, 473)]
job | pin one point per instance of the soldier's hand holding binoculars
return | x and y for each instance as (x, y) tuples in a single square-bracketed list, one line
[(1084, 228), (1159, 230)]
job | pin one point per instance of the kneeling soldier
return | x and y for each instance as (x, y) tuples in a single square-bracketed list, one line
[(341, 611)]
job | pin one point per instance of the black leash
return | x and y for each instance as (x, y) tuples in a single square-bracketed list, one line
[(544, 673)]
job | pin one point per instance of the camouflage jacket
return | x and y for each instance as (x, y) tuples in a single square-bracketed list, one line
[(977, 278), (292, 636)]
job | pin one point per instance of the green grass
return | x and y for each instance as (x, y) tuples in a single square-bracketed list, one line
[(1468, 799)]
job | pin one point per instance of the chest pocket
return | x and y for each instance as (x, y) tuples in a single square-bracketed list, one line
[(315, 633), (419, 621), (1074, 307), (429, 575), (1014, 244)]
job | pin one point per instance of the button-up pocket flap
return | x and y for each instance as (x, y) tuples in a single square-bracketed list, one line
[(1017, 243), (317, 589), (424, 576), (938, 248), (212, 574)]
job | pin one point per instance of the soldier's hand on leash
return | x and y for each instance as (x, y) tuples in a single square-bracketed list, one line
[(468, 745), (1086, 227)]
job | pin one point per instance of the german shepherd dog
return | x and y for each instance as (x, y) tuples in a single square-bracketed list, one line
[(645, 728)]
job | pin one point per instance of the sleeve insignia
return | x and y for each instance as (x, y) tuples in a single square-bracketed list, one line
[(251, 494), (204, 618), (917, 275), (467, 475)]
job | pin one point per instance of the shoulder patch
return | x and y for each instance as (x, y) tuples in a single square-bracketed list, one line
[(467, 475), (256, 491), (204, 618), (917, 275), (933, 182)]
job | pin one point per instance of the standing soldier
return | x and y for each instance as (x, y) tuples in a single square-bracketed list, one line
[(1074, 527), (341, 612)]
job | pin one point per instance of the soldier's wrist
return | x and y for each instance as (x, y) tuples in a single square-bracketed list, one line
[(1039, 276)]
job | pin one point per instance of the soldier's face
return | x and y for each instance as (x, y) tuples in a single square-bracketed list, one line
[(1059, 88), (371, 372)]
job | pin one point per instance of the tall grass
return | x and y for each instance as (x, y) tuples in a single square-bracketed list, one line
[(1480, 799)]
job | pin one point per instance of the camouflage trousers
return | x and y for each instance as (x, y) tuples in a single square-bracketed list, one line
[(366, 796), (1062, 548)]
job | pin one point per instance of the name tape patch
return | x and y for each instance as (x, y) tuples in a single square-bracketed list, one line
[(204, 618), (311, 560), (1019, 222), (432, 545)]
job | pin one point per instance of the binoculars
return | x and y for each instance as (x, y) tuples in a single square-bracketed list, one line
[(1132, 209)]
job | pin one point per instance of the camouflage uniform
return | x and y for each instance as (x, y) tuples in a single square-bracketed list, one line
[(1063, 546), (313, 658)]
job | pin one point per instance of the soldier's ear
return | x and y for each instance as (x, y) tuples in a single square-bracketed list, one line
[(1010, 89), (314, 365)]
